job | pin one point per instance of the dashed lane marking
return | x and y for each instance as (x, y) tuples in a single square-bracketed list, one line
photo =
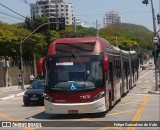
[(138, 114), (107, 126), (151, 81), (128, 103), (23, 112), (144, 74), (120, 112)]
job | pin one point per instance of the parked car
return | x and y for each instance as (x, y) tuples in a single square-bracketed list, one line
[(34, 93)]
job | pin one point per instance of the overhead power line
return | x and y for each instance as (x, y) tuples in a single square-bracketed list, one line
[(119, 12), (11, 16), (26, 2), (12, 10)]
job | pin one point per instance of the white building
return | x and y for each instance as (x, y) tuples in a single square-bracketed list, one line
[(112, 17), (53, 9), (78, 22)]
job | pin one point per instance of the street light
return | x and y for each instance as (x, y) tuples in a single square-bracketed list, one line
[(61, 23), (21, 53)]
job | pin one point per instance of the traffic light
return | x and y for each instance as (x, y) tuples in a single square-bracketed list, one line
[(145, 2), (158, 18), (61, 23), (157, 55), (53, 23)]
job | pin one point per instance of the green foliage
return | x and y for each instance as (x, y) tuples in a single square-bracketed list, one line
[(80, 32), (10, 38), (128, 35)]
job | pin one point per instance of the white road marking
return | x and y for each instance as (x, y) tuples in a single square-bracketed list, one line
[(144, 74)]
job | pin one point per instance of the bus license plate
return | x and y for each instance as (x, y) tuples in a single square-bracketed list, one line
[(72, 111)]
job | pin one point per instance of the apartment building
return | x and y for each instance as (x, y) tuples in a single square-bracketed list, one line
[(112, 17), (53, 9)]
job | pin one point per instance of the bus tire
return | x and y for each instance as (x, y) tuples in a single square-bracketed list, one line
[(26, 103)]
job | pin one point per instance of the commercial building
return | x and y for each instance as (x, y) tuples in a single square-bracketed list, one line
[(53, 9)]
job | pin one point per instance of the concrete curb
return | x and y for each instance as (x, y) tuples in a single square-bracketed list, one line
[(11, 96), (154, 92)]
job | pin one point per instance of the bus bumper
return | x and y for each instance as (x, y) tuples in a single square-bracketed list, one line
[(75, 108)]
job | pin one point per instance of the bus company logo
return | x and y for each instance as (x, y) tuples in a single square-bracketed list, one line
[(73, 86), (6, 124)]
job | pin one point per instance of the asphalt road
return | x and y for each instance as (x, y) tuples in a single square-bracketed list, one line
[(137, 105)]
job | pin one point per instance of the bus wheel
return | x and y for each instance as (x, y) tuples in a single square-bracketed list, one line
[(26, 103)]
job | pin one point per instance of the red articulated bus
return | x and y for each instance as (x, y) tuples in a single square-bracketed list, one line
[(86, 75)]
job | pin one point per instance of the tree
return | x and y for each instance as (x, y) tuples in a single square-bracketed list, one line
[(10, 38)]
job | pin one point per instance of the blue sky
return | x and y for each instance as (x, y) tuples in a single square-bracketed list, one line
[(132, 11)]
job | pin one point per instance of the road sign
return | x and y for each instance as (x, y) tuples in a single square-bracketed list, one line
[(155, 39)]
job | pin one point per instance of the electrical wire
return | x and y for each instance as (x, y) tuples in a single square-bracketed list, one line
[(119, 13), (11, 15), (12, 10), (26, 2)]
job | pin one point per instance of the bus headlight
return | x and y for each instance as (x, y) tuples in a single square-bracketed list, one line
[(47, 97), (99, 96)]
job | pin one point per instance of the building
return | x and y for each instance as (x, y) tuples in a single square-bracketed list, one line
[(53, 9), (78, 22), (112, 17)]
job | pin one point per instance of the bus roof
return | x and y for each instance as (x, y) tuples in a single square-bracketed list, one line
[(100, 43)]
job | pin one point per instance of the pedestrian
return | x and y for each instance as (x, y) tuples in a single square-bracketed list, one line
[(31, 78), (19, 81)]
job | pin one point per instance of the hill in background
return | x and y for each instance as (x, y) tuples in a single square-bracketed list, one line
[(128, 35)]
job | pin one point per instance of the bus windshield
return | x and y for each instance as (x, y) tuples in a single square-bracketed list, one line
[(82, 71)]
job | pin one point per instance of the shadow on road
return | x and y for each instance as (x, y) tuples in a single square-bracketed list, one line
[(45, 116)]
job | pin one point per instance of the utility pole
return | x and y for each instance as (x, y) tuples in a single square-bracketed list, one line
[(116, 41), (155, 46), (75, 28), (22, 69), (97, 34), (6, 71)]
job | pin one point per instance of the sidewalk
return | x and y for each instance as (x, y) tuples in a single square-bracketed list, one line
[(153, 90), (11, 92)]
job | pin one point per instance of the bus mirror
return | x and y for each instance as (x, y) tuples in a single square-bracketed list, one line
[(41, 66), (105, 63)]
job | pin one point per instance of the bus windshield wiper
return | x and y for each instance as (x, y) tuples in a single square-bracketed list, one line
[(79, 60), (81, 63)]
